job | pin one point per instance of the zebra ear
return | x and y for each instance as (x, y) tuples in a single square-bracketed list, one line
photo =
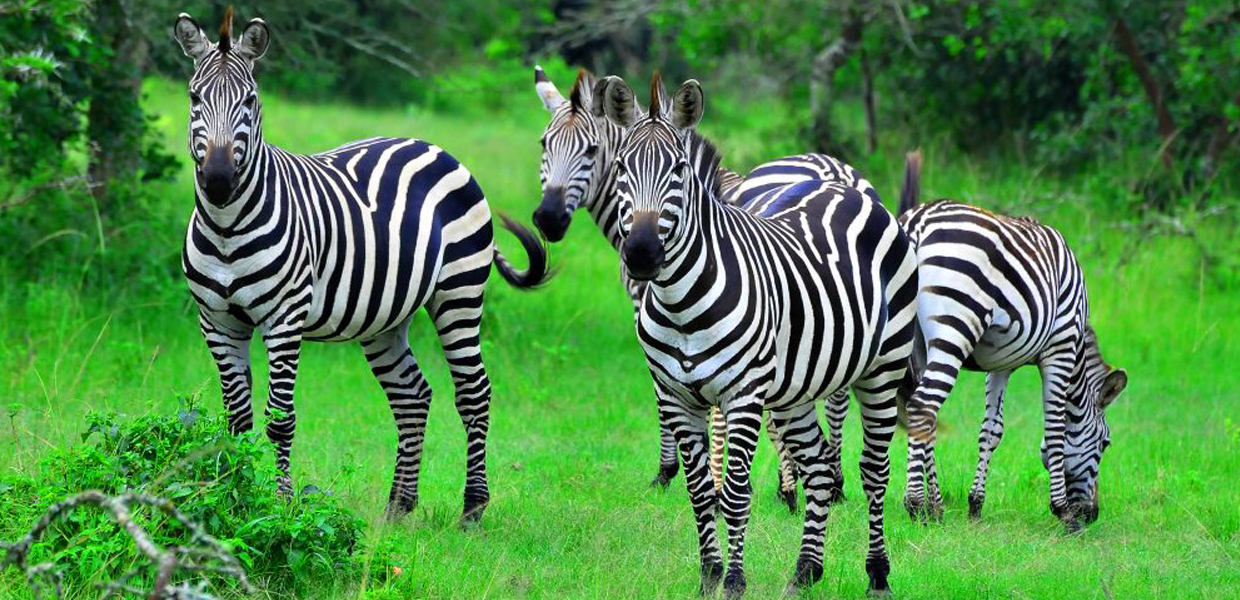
[(580, 95), (254, 40), (688, 103), (596, 96), (190, 36), (618, 102), (1114, 383), (550, 96)]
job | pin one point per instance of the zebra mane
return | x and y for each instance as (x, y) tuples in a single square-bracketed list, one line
[(226, 31), (708, 159)]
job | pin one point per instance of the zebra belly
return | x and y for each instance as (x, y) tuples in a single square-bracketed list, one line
[(1006, 344)]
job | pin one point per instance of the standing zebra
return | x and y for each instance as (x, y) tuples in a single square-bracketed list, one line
[(998, 293), (578, 138), (753, 312), (338, 246)]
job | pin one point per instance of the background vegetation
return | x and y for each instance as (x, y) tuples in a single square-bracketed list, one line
[(1115, 122)]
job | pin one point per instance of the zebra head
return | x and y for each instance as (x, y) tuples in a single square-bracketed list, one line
[(653, 172), (1093, 387), (576, 140), (224, 112)]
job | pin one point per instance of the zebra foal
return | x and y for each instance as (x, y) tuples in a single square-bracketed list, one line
[(752, 312), (339, 246)]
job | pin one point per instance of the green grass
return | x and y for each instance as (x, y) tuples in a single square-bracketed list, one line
[(573, 440)]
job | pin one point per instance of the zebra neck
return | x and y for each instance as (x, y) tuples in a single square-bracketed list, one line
[(602, 203), (603, 208), (250, 203), (697, 267)]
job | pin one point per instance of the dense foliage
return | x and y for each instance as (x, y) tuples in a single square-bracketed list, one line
[(1069, 84), (225, 483)]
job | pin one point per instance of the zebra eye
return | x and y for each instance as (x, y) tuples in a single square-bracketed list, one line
[(249, 101), (194, 98), (591, 150), (542, 142)]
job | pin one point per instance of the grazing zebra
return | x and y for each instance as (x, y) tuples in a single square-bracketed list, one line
[(578, 138), (338, 246), (998, 293), (753, 312)]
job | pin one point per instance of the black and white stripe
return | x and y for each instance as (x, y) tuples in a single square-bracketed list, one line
[(339, 246), (997, 293), (753, 312), (577, 169)]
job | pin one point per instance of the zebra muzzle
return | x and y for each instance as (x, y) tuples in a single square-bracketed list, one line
[(551, 217), (643, 250), (218, 176)]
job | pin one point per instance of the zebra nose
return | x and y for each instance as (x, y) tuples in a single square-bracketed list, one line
[(218, 176), (551, 217), (643, 250)]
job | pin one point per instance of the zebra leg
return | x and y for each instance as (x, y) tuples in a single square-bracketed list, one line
[(689, 426), (1055, 377), (877, 396), (744, 420), (283, 353), (787, 492), (409, 396), (457, 314), (718, 440), (231, 351), (988, 438), (836, 407), (803, 436), (668, 463), (937, 380)]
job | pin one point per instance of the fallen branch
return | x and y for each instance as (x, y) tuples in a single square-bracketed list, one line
[(203, 556)]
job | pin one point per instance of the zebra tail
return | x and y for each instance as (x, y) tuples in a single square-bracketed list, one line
[(538, 272), (912, 376), (909, 194)]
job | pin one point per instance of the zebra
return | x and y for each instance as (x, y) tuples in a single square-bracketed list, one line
[(754, 312), (338, 246), (577, 138), (998, 293)]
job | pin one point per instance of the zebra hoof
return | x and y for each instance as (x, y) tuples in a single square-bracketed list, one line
[(712, 574), (808, 573), (975, 506), (789, 499), (878, 570), (665, 476), (399, 507), (933, 512), (734, 585), (474, 507), (914, 505)]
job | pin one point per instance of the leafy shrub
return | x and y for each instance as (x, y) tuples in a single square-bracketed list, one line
[(224, 482)]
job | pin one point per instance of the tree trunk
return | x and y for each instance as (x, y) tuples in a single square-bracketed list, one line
[(871, 119), (1166, 128), (821, 83), (1220, 140), (115, 116)]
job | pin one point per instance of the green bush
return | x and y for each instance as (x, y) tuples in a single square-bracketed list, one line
[(225, 483)]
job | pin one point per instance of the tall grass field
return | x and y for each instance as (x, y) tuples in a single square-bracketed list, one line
[(573, 441)]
